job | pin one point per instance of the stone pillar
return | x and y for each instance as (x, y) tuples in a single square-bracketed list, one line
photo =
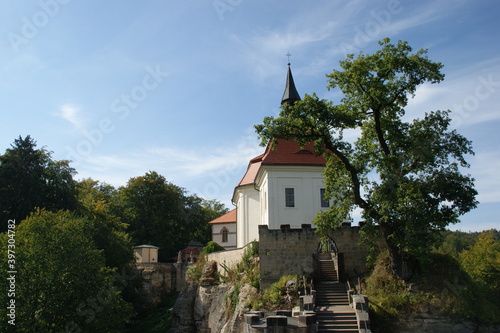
[(276, 324), (362, 316), (309, 320)]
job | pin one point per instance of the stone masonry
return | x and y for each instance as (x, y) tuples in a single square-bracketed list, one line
[(287, 251)]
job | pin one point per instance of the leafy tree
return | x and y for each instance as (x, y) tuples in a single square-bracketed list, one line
[(454, 242), (29, 178), (198, 212), (96, 202), (62, 282), (153, 208), (404, 175), (482, 261), (162, 214)]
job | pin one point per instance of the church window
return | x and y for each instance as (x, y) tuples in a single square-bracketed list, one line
[(324, 202), (225, 233), (289, 197)]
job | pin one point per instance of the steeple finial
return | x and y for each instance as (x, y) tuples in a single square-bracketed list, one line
[(290, 95)]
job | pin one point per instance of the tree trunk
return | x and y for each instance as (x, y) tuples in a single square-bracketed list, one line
[(398, 260)]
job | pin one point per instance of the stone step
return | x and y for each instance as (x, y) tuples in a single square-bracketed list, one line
[(333, 299), (334, 320), (336, 328), (344, 330), (332, 295), (331, 302)]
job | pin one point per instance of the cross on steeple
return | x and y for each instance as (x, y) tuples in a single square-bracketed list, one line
[(288, 55)]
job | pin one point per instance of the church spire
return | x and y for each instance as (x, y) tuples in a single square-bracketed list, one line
[(290, 95)]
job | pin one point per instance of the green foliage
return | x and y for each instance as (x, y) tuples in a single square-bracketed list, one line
[(482, 261), (283, 295), (247, 271), (30, 179), (404, 175), (95, 202), (211, 247), (194, 271), (249, 265), (63, 283), (159, 321), (386, 290), (454, 242), (446, 285), (161, 214)]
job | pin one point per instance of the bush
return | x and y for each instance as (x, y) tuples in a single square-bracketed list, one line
[(212, 247), (283, 294), (441, 287)]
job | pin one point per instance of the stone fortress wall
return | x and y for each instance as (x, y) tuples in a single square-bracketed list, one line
[(288, 250), (282, 252)]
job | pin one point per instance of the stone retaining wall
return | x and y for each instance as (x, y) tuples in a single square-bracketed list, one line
[(287, 251), (227, 258)]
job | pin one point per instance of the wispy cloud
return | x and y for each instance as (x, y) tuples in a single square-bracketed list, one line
[(179, 165), (329, 32), (472, 94), (72, 114)]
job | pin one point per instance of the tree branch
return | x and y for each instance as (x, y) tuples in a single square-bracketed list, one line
[(380, 133), (358, 199)]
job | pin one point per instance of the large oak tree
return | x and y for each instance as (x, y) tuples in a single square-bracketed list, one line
[(405, 176)]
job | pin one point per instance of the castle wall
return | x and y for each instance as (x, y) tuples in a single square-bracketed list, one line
[(288, 250)]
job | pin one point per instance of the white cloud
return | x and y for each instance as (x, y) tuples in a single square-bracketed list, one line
[(471, 94), (194, 168), (72, 114)]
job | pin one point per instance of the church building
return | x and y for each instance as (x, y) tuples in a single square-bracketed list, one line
[(284, 185)]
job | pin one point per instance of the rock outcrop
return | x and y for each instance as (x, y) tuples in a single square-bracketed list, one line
[(204, 309)]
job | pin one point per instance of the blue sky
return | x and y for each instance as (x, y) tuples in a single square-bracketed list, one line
[(123, 87)]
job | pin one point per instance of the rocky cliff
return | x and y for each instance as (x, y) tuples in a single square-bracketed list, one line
[(205, 309)]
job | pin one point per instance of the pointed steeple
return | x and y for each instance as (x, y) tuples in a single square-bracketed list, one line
[(290, 95)]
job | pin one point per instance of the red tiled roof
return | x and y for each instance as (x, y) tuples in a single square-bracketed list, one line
[(284, 153), (251, 173), (290, 153), (226, 218)]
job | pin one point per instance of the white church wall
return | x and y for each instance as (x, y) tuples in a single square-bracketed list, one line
[(248, 215), (306, 182)]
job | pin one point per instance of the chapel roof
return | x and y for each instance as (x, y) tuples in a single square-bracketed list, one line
[(286, 152), (226, 218)]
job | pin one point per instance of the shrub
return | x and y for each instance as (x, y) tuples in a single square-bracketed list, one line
[(283, 294), (212, 247)]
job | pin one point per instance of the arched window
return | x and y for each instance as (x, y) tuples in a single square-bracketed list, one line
[(225, 233)]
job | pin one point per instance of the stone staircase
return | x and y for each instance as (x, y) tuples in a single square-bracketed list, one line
[(333, 312)]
